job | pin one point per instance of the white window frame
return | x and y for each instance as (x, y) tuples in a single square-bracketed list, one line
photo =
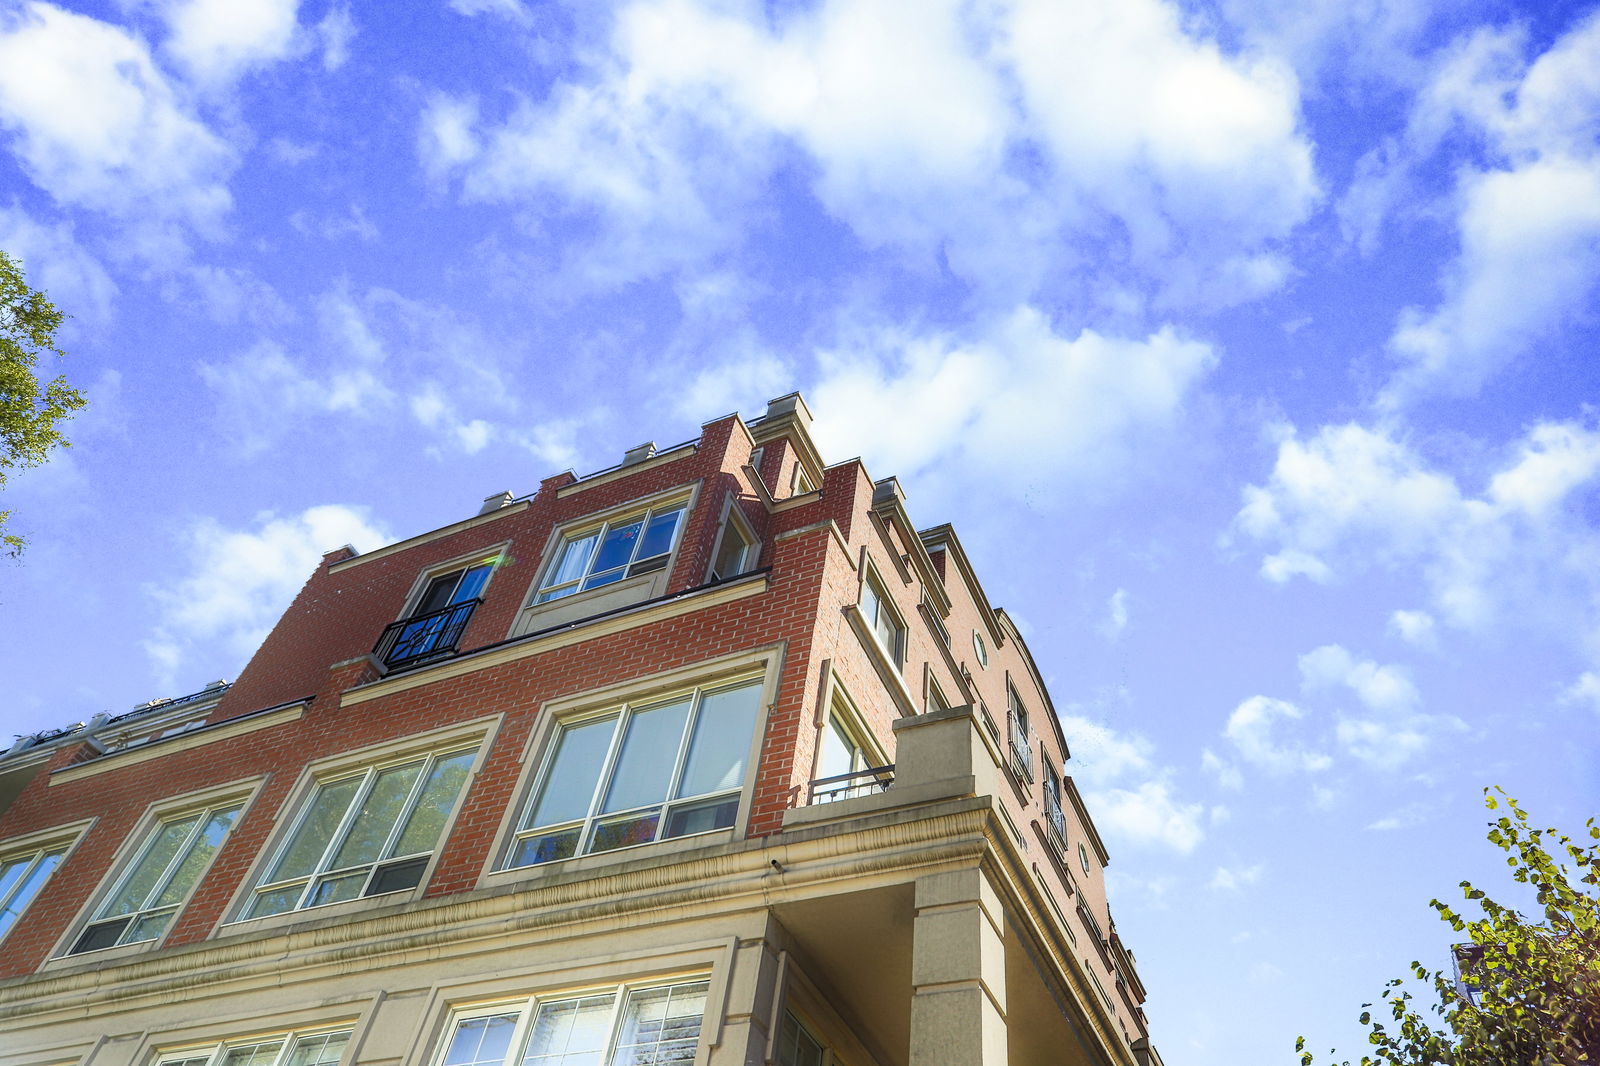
[(217, 1054), (367, 772), (1019, 733), (980, 649), (733, 519), (526, 1011), (34, 849), (599, 527), (621, 712), (150, 905), (873, 585)]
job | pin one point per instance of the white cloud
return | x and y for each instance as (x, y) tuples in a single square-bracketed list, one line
[(97, 124), (1412, 814), (1252, 727), (990, 137), (1019, 404), (1101, 755), (239, 580), (1585, 691), (1116, 621), (1528, 216), (1227, 775), (1393, 729), (1352, 498), (335, 32), (1413, 627), (1228, 880), (1150, 815), (56, 263), (216, 41)]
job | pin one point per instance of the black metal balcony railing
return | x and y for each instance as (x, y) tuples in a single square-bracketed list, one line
[(424, 636), (1021, 746), (1056, 821), (848, 786)]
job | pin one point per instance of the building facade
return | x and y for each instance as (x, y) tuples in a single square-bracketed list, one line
[(710, 757)]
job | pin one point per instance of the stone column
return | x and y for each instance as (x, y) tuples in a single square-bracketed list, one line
[(958, 972)]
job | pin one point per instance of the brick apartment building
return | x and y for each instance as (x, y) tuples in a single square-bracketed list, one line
[(710, 757)]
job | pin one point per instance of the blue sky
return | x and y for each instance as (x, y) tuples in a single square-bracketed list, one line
[(1249, 346)]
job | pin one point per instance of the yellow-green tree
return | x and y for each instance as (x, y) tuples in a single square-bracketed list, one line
[(1529, 988), (30, 413)]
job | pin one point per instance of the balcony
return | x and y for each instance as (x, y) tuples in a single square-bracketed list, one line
[(866, 782), (1020, 745), (424, 637)]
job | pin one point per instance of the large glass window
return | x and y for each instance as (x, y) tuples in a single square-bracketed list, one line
[(21, 878), (657, 1026), (363, 834), (647, 771), (149, 893), (288, 1049), (798, 1047), (623, 548), (881, 618)]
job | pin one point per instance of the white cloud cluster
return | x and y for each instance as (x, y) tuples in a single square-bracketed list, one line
[(1133, 798), (97, 124), (239, 581), (383, 354), (218, 40), (1391, 730), (1232, 880), (1354, 497), (993, 137), (1023, 403), (1253, 729), (1527, 212)]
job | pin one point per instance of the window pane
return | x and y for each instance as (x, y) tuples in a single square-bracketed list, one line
[(721, 741), (152, 864), (472, 583), (438, 798), (437, 597), (253, 1054), (276, 901), (617, 549), (649, 748), (320, 823), (379, 812), (11, 872), (625, 831), (840, 754), (574, 560), (24, 891), (661, 1026), (570, 783), (658, 537), (323, 1050), (397, 876), (870, 604), (148, 928), (200, 852), (730, 556), (547, 847), (481, 1041), (605, 578), (570, 1032), (702, 817), (337, 889)]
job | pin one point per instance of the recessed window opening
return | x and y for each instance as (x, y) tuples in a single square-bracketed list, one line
[(619, 549)]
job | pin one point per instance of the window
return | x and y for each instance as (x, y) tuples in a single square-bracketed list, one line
[(801, 482), (440, 616), (882, 620), (657, 1026), (935, 622), (289, 1049), (21, 877), (1054, 819), (936, 699), (980, 649), (169, 863), (640, 773), (1083, 857), (1020, 739), (363, 834), (736, 549), (843, 759), (618, 549), (797, 1046)]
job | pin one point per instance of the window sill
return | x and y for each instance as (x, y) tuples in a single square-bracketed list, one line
[(536, 616), (100, 957), (887, 668)]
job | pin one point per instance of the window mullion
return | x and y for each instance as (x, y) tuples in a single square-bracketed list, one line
[(673, 784), (521, 1032), (176, 861), (614, 1026), (594, 553)]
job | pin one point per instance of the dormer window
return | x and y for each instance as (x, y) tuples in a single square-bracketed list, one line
[(627, 547), (736, 548), (434, 625)]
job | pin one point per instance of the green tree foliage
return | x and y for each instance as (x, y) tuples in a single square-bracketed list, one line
[(1529, 990), (30, 414)]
